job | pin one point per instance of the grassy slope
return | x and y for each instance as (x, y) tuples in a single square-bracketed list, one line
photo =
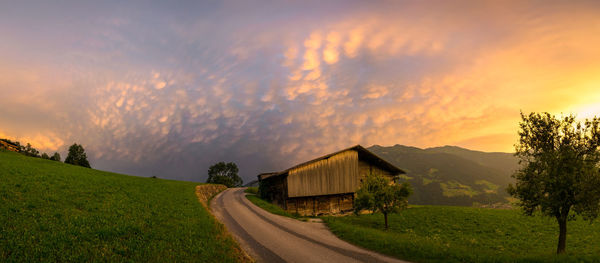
[(50, 211), (464, 234)]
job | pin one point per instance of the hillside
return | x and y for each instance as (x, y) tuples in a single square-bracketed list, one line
[(50, 211), (452, 175)]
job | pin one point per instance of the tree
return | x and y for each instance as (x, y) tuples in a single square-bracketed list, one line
[(559, 169), (77, 156), (45, 156), (377, 193), (30, 151), (224, 173), (55, 157)]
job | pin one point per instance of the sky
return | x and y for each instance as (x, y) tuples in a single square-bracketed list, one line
[(167, 88)]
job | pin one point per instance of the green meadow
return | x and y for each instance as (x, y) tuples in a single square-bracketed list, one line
[(461, 234), (50, 211), (465, 234)]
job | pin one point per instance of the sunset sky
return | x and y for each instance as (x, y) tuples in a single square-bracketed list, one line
[(170, 87)]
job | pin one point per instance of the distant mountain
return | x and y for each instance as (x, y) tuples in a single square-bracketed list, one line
[(452, 175)]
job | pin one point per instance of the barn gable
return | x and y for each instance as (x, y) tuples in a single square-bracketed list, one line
[(336, 174)]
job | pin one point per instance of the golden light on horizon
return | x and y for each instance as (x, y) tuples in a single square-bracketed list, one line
[(588, 111)]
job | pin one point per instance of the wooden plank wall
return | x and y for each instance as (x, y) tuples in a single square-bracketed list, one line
[(364, 169), (321, 205), (335, 175)]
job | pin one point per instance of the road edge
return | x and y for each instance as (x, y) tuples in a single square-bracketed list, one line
[(322, 222), (205, 198)]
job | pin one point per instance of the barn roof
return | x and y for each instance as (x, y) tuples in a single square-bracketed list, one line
[(267, 175), (363, 154)]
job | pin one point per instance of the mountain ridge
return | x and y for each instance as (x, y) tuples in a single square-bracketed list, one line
[(452, 175)]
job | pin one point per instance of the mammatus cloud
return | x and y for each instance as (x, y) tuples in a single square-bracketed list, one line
[(170, 94)]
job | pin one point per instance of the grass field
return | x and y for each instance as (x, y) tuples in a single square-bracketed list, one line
[(464, 234), (50, 211)]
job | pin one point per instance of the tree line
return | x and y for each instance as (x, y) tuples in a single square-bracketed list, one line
[(76, 155)]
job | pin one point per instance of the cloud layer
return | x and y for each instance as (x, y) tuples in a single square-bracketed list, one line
[(168, 90)]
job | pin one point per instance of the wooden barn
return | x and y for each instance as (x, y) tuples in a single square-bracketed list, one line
[(325, 185)]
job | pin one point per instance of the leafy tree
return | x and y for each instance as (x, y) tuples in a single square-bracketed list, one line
[(377, 193), (77, 156), (559, 169), (55, 157), (224, 173), (30, 151), (45, 156)]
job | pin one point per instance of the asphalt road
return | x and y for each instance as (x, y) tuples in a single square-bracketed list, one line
[(271, 238)]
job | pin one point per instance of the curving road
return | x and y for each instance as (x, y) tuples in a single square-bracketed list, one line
[(271, 238)]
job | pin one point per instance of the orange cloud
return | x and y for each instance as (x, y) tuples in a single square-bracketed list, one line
[(311, 60), (375, 92), (331, 53), (42, 142), (354, 41)]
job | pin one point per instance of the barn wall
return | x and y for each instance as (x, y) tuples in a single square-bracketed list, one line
[(364, 169), (321, 205), (336, 175), (322, 187), (274, 189)]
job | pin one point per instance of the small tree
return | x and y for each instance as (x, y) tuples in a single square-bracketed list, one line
[(77, 156), (225, 174), (30, 151), (55, 157), (377, 193), (45, 156), (559, 169)]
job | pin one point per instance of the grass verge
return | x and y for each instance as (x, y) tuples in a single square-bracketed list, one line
[(251, 190), (50, 211), (464, 234), (271, 208)]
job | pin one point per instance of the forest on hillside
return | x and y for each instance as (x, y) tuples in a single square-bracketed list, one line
[(452, 175)]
